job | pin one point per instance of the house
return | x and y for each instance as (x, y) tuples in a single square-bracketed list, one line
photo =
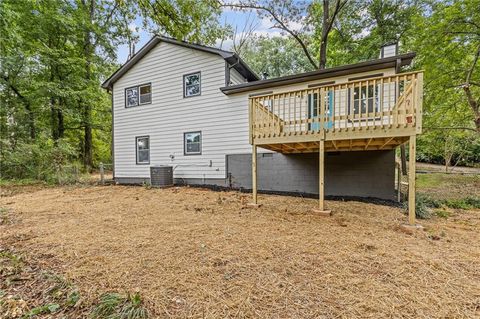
[(207, 114)]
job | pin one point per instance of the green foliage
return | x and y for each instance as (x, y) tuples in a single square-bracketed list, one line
[(422, 206), (464, 203), (442, 213), (52, 62), (116, 306), (449, 147), (45, 309), (42, 160)]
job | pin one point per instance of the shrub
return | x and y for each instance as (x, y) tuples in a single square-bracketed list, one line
[(464, 203), (422, 206), (43, 160)]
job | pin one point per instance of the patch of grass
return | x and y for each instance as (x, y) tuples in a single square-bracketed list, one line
[(21, 182), (10, 264), (442, 213), (435, 180), (424, 204), (464, 203), (4, 216), (45, 309), (116, 306)]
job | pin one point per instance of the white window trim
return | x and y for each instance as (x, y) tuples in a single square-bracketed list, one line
[(199, 84), (137, 151), (185, 148)]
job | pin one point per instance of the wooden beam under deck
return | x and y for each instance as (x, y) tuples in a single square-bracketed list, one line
[(367, 144)]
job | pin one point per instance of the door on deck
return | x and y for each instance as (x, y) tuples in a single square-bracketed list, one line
[(314, 108)]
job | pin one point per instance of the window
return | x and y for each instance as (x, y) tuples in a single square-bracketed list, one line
[(145, 94), (192, 143), (138, 95), (143, 149), (191, 84), (313, 108), (365, 99)]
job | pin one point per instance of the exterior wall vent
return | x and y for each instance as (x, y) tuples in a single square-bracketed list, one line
[(161, 176)]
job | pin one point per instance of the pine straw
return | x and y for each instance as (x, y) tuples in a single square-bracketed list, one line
[(203, 254)]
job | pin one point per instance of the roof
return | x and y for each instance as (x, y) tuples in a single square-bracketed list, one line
[(231, 57), (394, 61)]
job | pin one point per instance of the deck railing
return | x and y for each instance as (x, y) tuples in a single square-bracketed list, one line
[(392, 103)]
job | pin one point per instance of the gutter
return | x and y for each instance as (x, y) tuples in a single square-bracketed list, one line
[(394, 61)]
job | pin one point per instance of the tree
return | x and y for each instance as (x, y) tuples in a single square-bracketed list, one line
[(189, 20), (448, 42), (277, 56), (285, 15)]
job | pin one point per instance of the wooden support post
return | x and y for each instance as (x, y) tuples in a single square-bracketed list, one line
[(254, 173), (399, 183), (321, 175), (321, 180), (411, 180)]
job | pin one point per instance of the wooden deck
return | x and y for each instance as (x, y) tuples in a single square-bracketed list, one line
[(372, 114), (378, 113)]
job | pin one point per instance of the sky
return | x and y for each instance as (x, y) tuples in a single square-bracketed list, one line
[(234, 18)]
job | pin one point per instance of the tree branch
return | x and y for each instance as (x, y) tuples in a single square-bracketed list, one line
[(280, 25), (475, 60)]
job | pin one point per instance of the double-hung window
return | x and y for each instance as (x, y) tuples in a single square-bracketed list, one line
[(192, 143), (143, 149), (191, 84), (365, 100), (138, 95)]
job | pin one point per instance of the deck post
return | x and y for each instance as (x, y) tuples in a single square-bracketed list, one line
[(411, 179), (321, 175), (321, 180), (254, 173)]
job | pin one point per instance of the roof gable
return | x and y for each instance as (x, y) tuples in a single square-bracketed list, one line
[(228, 56)]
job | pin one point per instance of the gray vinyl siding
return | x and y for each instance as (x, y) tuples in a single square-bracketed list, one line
[(222, 120), (236, 77)]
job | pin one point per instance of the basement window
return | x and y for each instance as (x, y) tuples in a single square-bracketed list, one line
[(138, 95), (191, 84), (192, 143), (143, 149)]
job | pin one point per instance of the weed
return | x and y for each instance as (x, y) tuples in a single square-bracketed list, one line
[(464, 203), (12, 264), (116, 306), (50, 308), (442, 213), (474, 202), (4, 216)]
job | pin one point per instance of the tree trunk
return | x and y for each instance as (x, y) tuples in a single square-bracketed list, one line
[(87, 110), (325, 26), (53, 120)]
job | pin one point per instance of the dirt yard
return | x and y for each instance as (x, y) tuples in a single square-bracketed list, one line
[(201, 254)]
